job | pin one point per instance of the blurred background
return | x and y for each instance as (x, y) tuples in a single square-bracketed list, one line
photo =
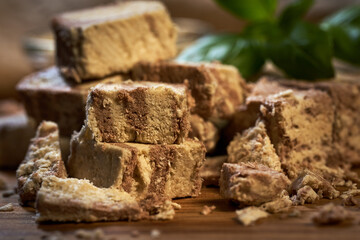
[(25, 36)]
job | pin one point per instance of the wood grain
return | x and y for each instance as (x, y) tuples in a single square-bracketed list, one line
[(188, 223)]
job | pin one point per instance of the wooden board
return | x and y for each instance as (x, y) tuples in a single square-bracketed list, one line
[(188, 223)]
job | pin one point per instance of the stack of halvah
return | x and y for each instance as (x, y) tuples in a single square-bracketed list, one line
[(132, 156), (134, 140)]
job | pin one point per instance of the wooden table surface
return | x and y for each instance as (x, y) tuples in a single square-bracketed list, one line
[(187, 224)]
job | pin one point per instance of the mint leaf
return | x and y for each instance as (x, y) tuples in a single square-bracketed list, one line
[(344, 28), (293, 13), (346, 16), (346, 41), (245, 54), (253, 10), (263, 32), (304, 53)]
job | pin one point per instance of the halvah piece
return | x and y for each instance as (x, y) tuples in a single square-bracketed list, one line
[(141, 112), (43, 159), (254, 146), (298, 126), (169, 170), (251, 184), (345, 96), (96, 42), (282, 204), (77, 200)]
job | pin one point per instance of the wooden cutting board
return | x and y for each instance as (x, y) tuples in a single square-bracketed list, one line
[(188, 223)]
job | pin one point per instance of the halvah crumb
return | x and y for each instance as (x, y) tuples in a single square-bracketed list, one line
[(155, 233), (7, 208), (207, 210), (249, 215), (331, 214)]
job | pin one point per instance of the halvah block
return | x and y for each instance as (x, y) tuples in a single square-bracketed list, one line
[(141, 112), (97, 42), (171, 170)]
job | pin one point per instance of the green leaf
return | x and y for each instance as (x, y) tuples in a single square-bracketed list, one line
[(344, 28), (346, 41), (253, 10), (245, 54), (293, 13), (262, 32), (304, 54), (346, 16)]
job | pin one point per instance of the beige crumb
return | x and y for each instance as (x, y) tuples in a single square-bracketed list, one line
[(349, 201), (331, 214), (176, 206), (207, 210), (349, 183), (319, 186), (7, 208), (305, 195), (281, 204), (8, 193), (351, 192), (96, 234), (353, 186), (3, 185), (166, 211), (249, 215), (155, 233)]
